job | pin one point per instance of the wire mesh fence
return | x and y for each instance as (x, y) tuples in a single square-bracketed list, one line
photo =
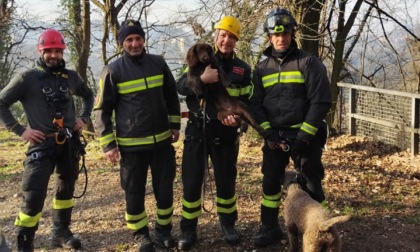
[(385, 115)]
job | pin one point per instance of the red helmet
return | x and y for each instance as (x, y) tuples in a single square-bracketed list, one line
[(51, 39)]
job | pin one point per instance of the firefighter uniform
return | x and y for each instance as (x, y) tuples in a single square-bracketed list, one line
[(206, 136), (141, 90), (45, 93), (290, 98)]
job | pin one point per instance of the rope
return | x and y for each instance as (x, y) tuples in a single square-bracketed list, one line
[(205, 156), (83, 168)]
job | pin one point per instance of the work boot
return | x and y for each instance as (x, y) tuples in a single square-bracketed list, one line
[(64, 238), (61, 234), (230, 234), (267, 235), (188, 238), (25, 243), (143, 241), (164, 237)]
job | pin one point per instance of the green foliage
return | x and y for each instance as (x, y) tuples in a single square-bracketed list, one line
[(414, 219), (68, 22), (12, 151), (6, 173), (121, 247), (349, 210), (4, 134)]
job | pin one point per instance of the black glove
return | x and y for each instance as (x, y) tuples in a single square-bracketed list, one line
[(300, 151), (300, 147), (273, 139)]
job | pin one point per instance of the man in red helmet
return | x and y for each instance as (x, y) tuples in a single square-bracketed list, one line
[(290, 98), (46, 93)]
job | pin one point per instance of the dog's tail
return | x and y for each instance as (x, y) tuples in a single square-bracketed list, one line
[(324, 226)]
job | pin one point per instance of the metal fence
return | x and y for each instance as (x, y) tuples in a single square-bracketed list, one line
[(389, 116)]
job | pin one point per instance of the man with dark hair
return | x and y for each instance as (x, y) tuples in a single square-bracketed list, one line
[(46, 93), (140, 89)]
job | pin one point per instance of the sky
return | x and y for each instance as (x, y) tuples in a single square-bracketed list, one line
[(45, 9), (49, 10)]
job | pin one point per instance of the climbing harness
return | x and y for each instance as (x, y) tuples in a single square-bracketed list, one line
[(56, 99)]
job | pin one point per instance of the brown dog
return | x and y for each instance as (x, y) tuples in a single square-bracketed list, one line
[(201, 55), (307, 217)]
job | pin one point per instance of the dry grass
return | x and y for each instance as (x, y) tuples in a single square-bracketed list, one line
[(375, 183)]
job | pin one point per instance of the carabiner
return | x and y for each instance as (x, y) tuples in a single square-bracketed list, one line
[(285, 147), (58, 141)]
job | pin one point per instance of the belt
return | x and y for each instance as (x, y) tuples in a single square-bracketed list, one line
[(51, 135)]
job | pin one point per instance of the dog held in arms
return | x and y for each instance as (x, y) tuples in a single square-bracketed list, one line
[(198, 57), (303, 215)]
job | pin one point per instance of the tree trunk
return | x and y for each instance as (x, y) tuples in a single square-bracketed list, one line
[(343, 29), (311, 11), (81, 33)]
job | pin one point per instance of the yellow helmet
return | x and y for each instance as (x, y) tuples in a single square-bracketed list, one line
[(230, 24)]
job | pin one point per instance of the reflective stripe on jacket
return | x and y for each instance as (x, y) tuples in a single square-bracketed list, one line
[(142, 92), (292, 93)]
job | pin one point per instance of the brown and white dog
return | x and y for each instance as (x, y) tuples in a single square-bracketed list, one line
[(307, 217), (198, 57)]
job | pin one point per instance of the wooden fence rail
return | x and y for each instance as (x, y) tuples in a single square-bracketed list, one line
[(390, 116)]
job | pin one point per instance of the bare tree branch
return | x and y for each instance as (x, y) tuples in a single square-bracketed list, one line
[(374, 4)]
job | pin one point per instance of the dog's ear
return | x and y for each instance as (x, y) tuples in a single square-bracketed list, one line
[(192, 58), (210, 50), (213, 60)]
